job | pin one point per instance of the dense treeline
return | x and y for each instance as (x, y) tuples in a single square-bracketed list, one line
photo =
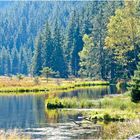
[(98, 39), (92, 20), (20, 23)]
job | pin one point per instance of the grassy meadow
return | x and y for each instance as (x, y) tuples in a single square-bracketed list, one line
[(40, 84)]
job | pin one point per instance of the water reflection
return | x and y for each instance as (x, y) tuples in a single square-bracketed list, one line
[(61, 116), (21, 111), (28, 111), (90, 93)]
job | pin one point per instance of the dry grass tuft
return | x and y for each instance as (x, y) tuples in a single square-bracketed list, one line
[(12, 135), (121, 130)]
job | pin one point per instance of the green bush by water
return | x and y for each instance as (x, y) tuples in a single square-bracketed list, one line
[(54, 103), (112, 115)]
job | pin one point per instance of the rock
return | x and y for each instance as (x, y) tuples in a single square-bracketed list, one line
[(136, 137)]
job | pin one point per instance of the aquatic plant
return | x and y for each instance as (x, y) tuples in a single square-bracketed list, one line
[(54, 103), (112, 115)]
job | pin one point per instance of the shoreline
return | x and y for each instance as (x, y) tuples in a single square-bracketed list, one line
[(51, 86)]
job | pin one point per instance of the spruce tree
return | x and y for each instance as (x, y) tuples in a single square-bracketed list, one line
[(5, 63), (58, 61), (77, 47), (47, 46), (23, 61), (135, 85), (37, 58), (74, 44), (69, 40), (15, 61)]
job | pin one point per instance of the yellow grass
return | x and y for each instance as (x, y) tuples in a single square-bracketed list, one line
[(12, 135), (28, 84)]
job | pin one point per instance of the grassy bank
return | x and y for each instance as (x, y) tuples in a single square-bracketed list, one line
[(118, 115), (41, 85), (121, 130), (121, 102), (108, 108)]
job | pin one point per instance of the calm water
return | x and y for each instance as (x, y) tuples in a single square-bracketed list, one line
[(27, 113)]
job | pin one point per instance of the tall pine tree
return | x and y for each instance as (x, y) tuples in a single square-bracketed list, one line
[(58, 61)]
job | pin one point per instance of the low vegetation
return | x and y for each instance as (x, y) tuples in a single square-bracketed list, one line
[(113, 108), (121, 130), (54, 103), (40, 84), (108, 115), (135, 85), (12, 135)]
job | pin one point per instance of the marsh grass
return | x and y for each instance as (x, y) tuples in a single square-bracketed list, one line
[(54, 103), (108, 108), (121, 130), (112, 115), (121, 102), (28, 84), (12, 135)]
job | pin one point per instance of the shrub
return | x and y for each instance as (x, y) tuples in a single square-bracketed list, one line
[(135, 85), (36, 81)]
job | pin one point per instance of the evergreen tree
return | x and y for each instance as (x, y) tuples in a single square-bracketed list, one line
[(69, 39), (37, 58), (78, 45), (23, 61), (74, 45), (47, 46), (86, 20), (21, 22), (58, 61), (46, 71), (5, 62), (135, 85), (15, 61)]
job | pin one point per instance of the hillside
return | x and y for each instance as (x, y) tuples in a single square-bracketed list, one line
[(53, 34)]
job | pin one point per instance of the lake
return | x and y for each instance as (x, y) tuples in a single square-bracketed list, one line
[(27, 114)]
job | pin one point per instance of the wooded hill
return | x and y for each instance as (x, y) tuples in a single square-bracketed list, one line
[(98, 39)]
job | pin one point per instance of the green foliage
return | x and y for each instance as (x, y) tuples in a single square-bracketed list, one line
[(20, 24), (49, 52), (36, 80), (68, 103), (29, 44), (46, 72), (135, 85), (123, 40), (58, 62), (19, 77), (73, 44), (37, 58), (120, 102), (110, 115), (89, 59)]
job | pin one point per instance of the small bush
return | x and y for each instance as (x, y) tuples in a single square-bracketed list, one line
[(107, 117), (36, 81)]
